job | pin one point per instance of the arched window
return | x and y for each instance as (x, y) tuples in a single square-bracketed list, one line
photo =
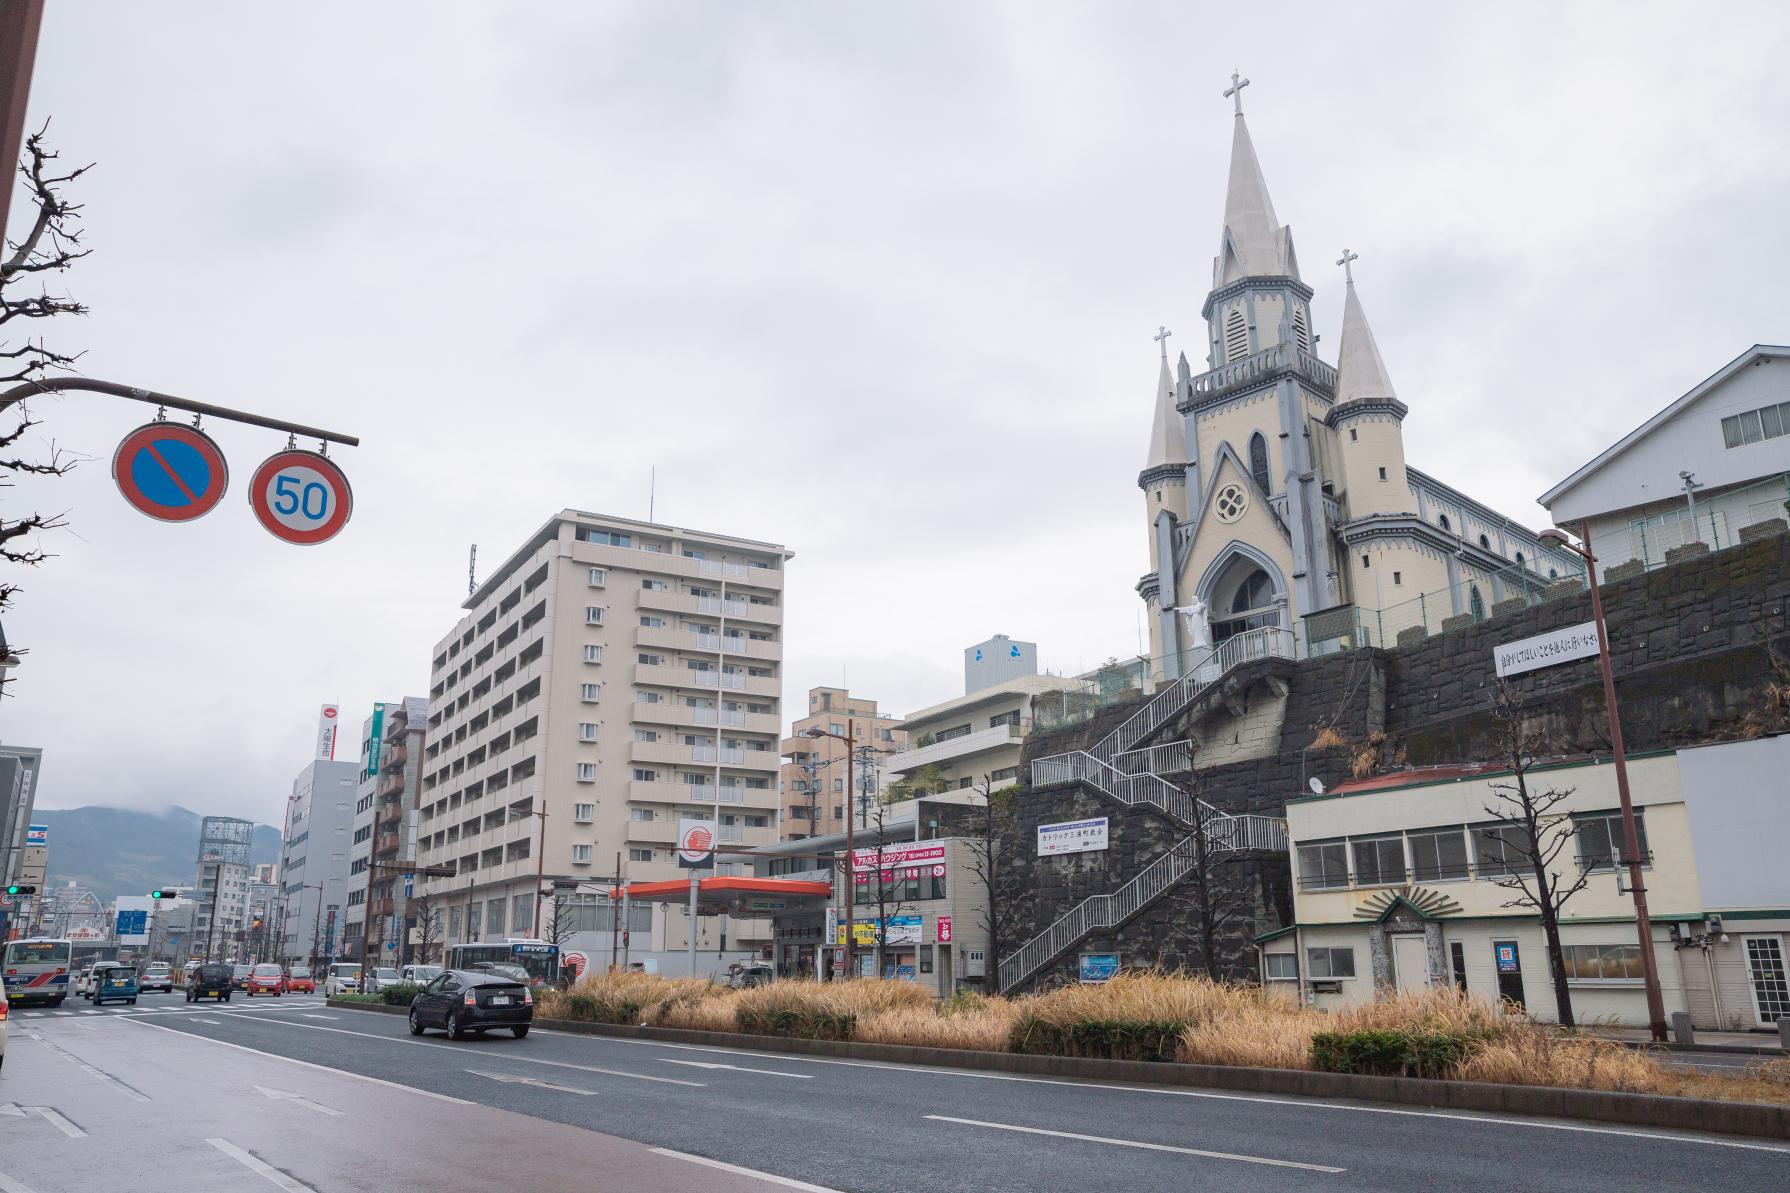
[(1442, 521), (1485, 542), (1258, 460), (1256, 592), (1476, 603), (1519, 559), (1553, 574), (1236, 335)]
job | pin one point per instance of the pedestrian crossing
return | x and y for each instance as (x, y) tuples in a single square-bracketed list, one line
[(197, 1008)]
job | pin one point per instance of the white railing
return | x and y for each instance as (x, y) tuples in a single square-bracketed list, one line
[(733, 718), (714, 567), (1156, 760), (1265, 642), (1224, 830), (1097, 912), (707, 716), (726, 754)]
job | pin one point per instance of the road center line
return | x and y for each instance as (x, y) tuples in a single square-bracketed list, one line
[(767, 1177), (709, 1064), (1151, 1147), (128, 1091), (261, 1167), (8, 1185)]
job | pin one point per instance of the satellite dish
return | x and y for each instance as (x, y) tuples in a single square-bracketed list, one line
[(1316, 785)]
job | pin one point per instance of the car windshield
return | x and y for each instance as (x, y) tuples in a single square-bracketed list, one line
[(513, 972), (157, 967), (267, 971), (347, 971), (425, 973), (385, 973)]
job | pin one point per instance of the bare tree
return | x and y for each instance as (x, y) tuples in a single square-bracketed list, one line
[(1531, 835), (987, 827), (884, 884), (1220, 897), (52, 244), (428, 927)]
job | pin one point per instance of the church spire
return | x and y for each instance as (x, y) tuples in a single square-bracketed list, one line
[(1253, 243), (1168, 438), (1360, 373)]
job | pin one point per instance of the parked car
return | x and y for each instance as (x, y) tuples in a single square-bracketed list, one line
[(157, 975), (341, 978), (744, 977), (266, 978), (208, 980), (421, 975), (239, 976), (462, 1000), (112, 982), (299, 980), (380, 978), (83, 981)]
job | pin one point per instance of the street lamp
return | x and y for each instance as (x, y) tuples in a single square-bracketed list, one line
[(850, 879), (1631, 843)]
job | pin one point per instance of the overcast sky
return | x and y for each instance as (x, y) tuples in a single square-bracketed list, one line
[(877, 282)]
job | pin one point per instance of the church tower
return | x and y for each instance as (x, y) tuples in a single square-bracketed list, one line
[(1164, 482), (1368, 419)]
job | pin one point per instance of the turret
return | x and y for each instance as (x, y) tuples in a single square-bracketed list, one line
[(1368, 418)]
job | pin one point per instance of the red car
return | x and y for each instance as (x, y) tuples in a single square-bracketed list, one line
[(299, 980), (266, 979)]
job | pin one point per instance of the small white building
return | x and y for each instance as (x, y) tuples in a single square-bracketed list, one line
[(1396, 886), (1730, 434)]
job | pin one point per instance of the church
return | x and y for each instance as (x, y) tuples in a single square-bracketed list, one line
[(1282, 512)]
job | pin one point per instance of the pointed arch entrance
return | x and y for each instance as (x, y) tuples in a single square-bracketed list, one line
[(1243, 590)]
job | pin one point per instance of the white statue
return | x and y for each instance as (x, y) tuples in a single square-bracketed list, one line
[(1199, 630)]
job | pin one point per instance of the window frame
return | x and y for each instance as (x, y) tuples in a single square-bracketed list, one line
[(1328, 969)]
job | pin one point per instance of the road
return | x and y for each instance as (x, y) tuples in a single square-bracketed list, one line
[(557, 1107)]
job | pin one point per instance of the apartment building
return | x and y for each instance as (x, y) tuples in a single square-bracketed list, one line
[(384, 840), (814, 776), (314, 859), (610, 678), (360, 844)]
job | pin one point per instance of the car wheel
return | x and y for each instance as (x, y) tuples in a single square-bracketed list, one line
[(454, 1030), (133, 1002), (520, 1030), (416, 1023), (189, 994)]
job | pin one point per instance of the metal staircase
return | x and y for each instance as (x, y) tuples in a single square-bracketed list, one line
[(1122, 767)]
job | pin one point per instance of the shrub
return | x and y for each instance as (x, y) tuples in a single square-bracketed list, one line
[(399, 994), (1109, 1039), (1390, 1053), (372, 999)]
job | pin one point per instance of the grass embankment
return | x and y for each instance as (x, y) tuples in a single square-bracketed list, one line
[(1161, 1017)]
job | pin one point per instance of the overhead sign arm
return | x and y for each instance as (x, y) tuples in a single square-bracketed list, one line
[(29, 389)]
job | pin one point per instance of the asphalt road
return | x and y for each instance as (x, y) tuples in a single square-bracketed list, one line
[(831, 1124)]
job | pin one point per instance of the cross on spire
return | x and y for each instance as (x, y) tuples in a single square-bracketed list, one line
[(1238, 83), (1161, 337), (1344, 260)]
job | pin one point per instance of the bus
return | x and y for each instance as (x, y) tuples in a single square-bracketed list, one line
[(539, 958), (36, 970)]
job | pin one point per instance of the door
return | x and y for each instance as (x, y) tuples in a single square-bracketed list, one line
[(1410, 961), (1771, 986), (1507, 962)]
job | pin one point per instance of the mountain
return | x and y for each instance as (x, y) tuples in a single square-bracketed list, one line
[(120, 852)]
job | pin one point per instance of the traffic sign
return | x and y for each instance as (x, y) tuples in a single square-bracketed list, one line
[(171, 472), (301, 497)]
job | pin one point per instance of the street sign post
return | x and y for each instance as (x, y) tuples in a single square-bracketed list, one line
[(172, 472), (301, 497)]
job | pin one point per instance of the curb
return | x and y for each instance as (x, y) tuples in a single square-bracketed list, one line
[(1724, 1049), (1640, 1110)]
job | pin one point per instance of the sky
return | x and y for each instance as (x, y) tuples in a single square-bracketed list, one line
[(875, 282)]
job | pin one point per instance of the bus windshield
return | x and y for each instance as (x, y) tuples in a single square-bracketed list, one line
[(38, 952)]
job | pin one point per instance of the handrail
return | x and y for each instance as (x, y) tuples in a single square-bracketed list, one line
[(1260, 643)]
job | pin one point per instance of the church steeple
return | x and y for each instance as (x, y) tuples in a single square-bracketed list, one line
[(1253, 243), (1168, 437), (1360, 372)]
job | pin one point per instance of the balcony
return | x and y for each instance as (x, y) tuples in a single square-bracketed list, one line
[(649, 675), (941, 752), (394, 758), (662, 831), (666, 564)]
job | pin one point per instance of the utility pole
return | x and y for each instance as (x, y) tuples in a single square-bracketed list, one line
[(849, 879), (540, 868), (615, 929)]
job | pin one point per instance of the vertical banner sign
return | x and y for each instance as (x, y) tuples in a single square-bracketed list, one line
[(374, 741), (695, 845), (328, 721), (301, 497), (944, 929)]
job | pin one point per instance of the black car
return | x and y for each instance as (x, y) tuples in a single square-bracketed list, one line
[(211, 980), (462, 1001)]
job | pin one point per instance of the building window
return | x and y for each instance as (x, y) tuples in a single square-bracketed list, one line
[(954, 731), (1365, 562), (1485, 542), (1442, 521), (587, 772), (640, 855), (587, 730), (651, 585), (1380, 862), (1502, 850), (1382, 474), (1602, 962), (1330, 963), (1476, 603), (1398, 577), (1280, 967), (646, 735), (1006, 718), (584, 813), (1003, 774), (1354, 435), (644, 775), (598, 577), (593, 653), (593, 615), (1323, 866), (641, 697), (590, 693), (1752, 426), (1601, 837), (1457, 953), (1258, 461), (652, 623), (581, 855), (641, 814), (652, 660), (1438, 856), (1236, 335)]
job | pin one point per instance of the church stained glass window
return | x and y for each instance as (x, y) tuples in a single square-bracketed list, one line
[(1258, 460)]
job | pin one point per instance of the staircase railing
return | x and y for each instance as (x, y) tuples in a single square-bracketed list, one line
[(1224, 830), (1260, 643)]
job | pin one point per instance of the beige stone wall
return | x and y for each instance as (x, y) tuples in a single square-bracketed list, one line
[(1256, 527), (1365, 446), (1234, 425)]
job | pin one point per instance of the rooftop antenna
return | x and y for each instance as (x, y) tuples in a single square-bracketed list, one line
[(652, 491), (472, 570)]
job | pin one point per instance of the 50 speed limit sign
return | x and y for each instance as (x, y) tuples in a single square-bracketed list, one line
[(301, 497)]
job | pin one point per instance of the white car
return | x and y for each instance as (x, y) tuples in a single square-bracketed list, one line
[(380, 978), (158, 975), (341, 978), (421, 975)]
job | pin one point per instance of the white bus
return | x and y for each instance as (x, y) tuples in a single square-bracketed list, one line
[(37, 970), (537, 957)]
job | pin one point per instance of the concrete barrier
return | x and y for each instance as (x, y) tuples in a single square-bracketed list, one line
[(1640, 1110)]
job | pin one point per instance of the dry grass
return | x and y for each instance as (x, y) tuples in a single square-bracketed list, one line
[(1225, 1025)]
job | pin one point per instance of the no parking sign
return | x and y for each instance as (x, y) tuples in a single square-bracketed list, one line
[(301, 497), (171, 472)]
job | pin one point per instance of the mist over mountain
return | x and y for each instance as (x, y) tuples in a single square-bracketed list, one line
[(116, 851)]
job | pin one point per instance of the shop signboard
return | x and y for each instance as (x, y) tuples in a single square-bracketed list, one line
[(1099, 967), (1072, 836), (901, 857)]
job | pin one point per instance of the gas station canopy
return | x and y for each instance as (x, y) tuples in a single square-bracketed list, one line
[(736, 896)]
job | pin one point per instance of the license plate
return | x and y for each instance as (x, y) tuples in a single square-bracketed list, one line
[(116, 983), (500, 1001)]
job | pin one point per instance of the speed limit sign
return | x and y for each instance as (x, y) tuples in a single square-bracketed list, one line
[(301, 497)]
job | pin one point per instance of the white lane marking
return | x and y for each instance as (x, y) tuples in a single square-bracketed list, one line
[(517, 1079), (50, 1115), (280, 1095), (212, 1022), (1149, 1147), (63, 1014), (1166, 1091), (533, 1060), (259, 1166), (8, 1185), (768, 1177), (128, 1091), (291, 1060), (709, 1064), (95, 1012), (308, 1015)]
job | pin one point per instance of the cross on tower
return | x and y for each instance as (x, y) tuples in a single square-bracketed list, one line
[(1238, 83), (1161, 337), (1348, 274)]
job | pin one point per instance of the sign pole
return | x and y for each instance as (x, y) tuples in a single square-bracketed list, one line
[(695, 878)]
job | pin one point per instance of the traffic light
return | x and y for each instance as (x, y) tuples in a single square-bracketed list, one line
[(22, 888), (161, 894)]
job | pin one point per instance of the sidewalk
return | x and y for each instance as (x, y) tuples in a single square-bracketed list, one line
[(1752, 1043)]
